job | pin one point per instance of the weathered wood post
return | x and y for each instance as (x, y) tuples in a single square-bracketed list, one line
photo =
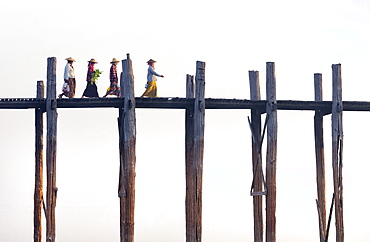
[(39, 163), (127, 142), (271, 111), (195, 172), (51, 146), (190, 201), (337, 147), (254, 84), (320, 161)]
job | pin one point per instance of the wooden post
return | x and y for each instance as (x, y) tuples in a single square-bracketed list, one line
[(39, 161), (127, 132), (254, 84), (337, 147), (190, 200), (195, 172), (51, 145), (320, 161), (271, 111)]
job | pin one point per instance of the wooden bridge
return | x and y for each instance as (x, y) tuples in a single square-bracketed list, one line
[(264, 181), (180, 103)]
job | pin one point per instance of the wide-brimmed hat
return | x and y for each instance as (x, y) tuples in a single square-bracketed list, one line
[(70, 59), (92, 60), (151, 61), (114, 60)]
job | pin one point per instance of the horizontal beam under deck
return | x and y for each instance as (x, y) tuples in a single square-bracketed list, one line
[(180, 103)]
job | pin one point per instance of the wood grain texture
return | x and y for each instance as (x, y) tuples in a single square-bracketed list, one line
[(51, 149), (127, 137)]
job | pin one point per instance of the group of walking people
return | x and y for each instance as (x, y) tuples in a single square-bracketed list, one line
[(91, 90)]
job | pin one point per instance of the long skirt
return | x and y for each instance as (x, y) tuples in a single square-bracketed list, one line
[(69, 88), (72, 87), (151, 90), (91, 90), (113, 89)]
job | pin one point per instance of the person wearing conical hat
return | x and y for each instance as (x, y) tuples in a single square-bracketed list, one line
[(113, 88), (69, 86), (91, 89), (151, 85)]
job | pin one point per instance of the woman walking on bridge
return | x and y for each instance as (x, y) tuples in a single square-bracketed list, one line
[(114, 88), (91, 89), (151, 85), (69, 86)]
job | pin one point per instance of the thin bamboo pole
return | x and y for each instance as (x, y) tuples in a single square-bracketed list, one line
[(337, 147), (271, 111), (320, 161), (51, 145), (256, 130), (39, 163), (329, 219), (127, 125)]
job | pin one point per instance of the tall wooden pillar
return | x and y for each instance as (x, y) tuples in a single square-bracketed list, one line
[(320, 160), (127, 142), (51, 146), (194, 157), (39, 163), (190, 213), (256, 155), (271, 111), (337, 147)]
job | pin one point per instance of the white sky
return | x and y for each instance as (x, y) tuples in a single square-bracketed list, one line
[(232, 37)]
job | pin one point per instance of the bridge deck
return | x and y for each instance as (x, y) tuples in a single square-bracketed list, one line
[(179, 103)]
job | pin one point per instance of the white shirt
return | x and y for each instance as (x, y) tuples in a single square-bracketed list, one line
[(69, 72)]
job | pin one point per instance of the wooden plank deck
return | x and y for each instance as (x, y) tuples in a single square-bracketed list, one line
[(180, 103)]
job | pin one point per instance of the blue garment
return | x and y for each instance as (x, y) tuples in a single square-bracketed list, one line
[(152, 74)]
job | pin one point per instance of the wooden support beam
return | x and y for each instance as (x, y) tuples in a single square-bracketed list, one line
[(51, 147), (195, 169), (337, 147), (39, 163), (320, 161), (271, 111), (182, 103), (190, 199), (127, 142), (254, 84)]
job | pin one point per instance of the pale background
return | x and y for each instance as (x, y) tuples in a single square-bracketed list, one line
[(232, 37)]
